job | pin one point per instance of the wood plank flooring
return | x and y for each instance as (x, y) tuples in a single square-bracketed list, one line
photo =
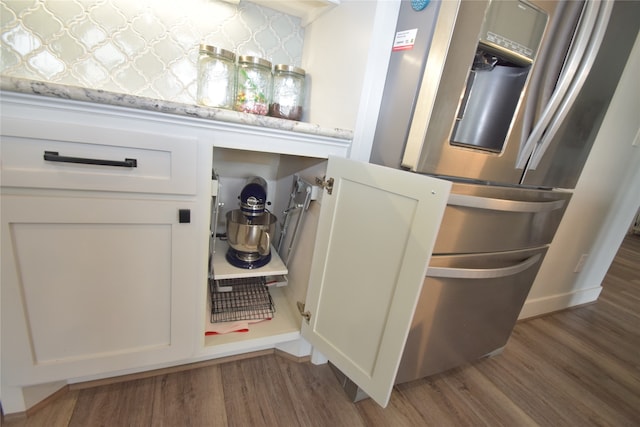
[(579, 367)]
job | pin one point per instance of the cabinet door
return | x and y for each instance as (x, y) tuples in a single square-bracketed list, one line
[(375, 236), (93, 285)]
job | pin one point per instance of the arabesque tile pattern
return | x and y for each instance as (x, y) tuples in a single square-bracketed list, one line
[(144, 47)]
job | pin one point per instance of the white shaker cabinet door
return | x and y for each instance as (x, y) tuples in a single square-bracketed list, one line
[(91, 286), (374, 241)]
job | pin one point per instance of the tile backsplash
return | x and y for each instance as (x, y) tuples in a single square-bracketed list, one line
[(139, 47)]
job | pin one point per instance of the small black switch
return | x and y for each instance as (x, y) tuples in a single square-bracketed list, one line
[(184, 216)]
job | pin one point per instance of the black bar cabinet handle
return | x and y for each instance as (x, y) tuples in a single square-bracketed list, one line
[(53, 156)]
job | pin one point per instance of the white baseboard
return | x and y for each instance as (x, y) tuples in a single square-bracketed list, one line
[(17, 400), (297, 348), (539, 306)]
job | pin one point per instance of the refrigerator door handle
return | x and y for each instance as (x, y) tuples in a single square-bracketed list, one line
[(481, 273), (578, 49), (594, 45), (503, 205)]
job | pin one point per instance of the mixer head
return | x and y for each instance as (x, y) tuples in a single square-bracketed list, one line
[(253, 197)]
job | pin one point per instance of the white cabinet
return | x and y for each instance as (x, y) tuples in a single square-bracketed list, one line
[(102, 243), (93, 285), (99, 275)]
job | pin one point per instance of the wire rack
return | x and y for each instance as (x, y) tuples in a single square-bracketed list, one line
[(248, 299)]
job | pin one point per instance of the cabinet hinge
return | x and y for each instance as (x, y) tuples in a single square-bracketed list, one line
[(327, 184), (305, 314)]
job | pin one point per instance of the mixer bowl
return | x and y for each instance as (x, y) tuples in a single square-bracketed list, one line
[(250, 235)]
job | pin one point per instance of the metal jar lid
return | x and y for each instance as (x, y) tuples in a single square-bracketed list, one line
[(289, 69), (255, 60), (217, 51)]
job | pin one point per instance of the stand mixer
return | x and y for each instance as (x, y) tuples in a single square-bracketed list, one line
[(250, 228)]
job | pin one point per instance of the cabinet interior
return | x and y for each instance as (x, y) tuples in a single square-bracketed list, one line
[(232, 168)]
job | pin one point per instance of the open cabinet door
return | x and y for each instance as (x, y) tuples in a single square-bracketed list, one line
[(375, 235)]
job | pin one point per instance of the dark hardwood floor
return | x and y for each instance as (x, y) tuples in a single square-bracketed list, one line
[(578, 367)]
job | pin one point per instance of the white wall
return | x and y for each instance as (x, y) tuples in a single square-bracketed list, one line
[(349, 49), (336, 50), (605, 201)]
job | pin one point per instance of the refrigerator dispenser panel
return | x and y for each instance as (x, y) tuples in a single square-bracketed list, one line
[(510, 37), (513, 30)]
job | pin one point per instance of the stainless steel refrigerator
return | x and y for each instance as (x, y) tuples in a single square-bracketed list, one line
[(504, 98)]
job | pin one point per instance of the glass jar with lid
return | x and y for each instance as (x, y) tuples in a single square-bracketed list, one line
[(216, 77), (288, 92), (253, 85)]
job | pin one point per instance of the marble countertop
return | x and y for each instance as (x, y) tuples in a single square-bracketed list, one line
[(96, 96)]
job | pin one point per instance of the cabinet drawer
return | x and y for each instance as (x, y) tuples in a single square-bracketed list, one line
[(475, 214), (468, 307), (96, 158)]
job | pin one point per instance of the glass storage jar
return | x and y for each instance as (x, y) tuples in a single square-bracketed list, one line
[(253, 86), (288, 92), (216, 77)]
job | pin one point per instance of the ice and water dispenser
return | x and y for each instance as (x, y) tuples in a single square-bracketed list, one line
[(509, 40)]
